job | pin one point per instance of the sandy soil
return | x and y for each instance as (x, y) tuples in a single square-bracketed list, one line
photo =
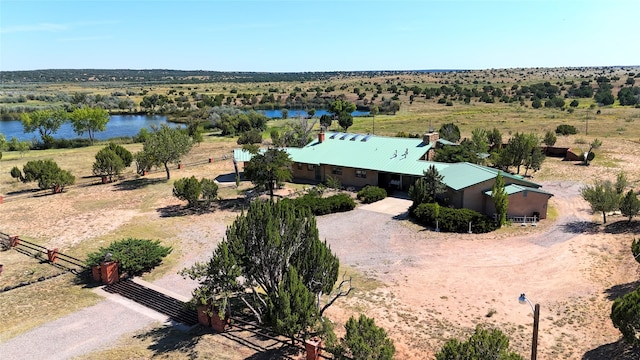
[(428, 286)]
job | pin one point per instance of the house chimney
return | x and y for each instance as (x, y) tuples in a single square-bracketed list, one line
[(430, 137), (320, 137)]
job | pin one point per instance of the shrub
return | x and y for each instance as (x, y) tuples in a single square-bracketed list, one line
[(134, 256), (16, 173), (371, 194), (625, 315), (188, 189), (191, 190), (452, 220), (47, 174), (322, 206), (565, 129)]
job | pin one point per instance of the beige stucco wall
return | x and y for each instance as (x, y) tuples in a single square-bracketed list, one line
[(348, 176), (525, 203), (302, 172), (519, 205)]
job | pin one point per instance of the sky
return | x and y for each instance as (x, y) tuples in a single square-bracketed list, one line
[(321, 35)]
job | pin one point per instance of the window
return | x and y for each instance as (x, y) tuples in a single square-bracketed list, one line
[(336, 170), (310, 167), (299, 166), (361, 173)]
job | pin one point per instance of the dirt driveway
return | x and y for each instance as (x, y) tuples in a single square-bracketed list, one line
[(437, 285)]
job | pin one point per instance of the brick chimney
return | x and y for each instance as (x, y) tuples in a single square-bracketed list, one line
[(321, 137), (430, 137)]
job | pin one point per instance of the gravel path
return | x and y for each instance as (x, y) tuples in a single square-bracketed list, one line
[(85, 331)]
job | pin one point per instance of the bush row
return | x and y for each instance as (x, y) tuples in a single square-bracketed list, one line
[(452, 220), (371, 194), (323, 206)]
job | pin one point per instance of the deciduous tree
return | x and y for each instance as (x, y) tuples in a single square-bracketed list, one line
[(269, 169), (166, 145), (89, 120), (46, 122), (602, 196)]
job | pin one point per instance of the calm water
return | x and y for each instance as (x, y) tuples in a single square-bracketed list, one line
[(130, 125), (118, 125)]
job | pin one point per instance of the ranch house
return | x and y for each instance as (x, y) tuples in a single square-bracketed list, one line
[(396, 163)]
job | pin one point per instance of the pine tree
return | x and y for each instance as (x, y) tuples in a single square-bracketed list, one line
[(630, 205)]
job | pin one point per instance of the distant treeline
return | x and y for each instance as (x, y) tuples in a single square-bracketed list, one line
[(180, 76)]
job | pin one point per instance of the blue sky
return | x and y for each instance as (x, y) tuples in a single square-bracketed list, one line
[(295, 36)]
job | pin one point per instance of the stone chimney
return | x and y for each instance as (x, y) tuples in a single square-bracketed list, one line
[(430, 137), (321, 137)]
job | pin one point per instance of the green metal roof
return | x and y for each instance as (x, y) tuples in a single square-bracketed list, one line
[(515, 188), (462, 175), (386, 154)]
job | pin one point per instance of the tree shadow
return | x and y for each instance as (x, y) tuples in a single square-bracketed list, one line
[(620, 290), (623, 227), (236, 204), (138, 183), (168, 338), (618, 350), (581, 227), (176, 211), (402, 216)]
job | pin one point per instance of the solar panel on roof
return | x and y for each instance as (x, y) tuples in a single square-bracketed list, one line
[(366, 138)]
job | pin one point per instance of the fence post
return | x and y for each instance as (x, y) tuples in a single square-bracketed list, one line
[(312, 347), (52, 255), (15, 240), (109, 272)]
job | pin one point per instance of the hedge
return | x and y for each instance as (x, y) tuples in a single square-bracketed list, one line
[(323, 206), (371, 194), (453, 220)]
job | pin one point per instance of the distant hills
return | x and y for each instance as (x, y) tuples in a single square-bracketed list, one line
[(179, 76)]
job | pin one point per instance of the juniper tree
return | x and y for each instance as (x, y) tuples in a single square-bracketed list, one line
[(500, 199)]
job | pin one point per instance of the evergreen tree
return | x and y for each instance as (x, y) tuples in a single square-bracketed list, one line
[(625, 315), (630, 205), (48, 175), (292, 309), (364, 340), (188, 189), (500, 200), (482, 345)]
